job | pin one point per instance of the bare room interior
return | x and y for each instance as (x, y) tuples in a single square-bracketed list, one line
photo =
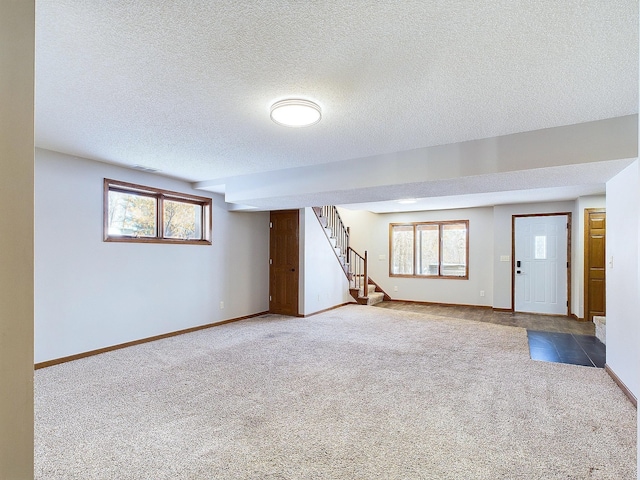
[(319, 240)]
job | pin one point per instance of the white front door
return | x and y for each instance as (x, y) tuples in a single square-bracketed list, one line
[(540, 276)]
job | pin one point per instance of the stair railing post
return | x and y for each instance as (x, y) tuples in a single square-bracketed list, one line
[(333, 220), (366, 276), (358, 265), (347, 242)]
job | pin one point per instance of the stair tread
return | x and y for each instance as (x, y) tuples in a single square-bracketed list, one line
[(370, 290), (372, 299), (376, 294)]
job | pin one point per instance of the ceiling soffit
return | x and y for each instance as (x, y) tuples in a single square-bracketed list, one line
[(585, 155)]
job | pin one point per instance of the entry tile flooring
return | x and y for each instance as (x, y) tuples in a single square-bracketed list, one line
[(551, 338), (570, 348)]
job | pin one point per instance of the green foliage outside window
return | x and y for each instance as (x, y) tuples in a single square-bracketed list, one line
[(132, 215), (137, 213), (430, 249)]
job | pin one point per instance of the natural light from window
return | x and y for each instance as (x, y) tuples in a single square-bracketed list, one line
[(135, 213), (430, 249)]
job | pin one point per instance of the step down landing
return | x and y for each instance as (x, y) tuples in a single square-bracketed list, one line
[(372, 297)]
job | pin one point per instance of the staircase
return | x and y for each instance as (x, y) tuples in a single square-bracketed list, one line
[(371, 298), (362, 288)]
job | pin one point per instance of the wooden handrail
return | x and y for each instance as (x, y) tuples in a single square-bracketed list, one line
[(358, 271), (335, 230), (355, 266), (336, 225)]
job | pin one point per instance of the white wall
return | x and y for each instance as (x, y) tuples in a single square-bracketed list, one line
[(577, 253), (323, 282), (92, 294), (490, 239), (637, 366), (371, 232), (637, 317), (502, 225), (17, 38), (623, 302)]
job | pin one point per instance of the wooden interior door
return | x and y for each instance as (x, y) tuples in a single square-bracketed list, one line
[(284, 262), (594, 263)]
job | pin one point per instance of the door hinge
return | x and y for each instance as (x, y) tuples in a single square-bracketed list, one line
[(270, 224), (270, 261), (567, 264), (269, 297)]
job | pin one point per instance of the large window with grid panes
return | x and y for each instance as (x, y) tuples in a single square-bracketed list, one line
[(429, 249)]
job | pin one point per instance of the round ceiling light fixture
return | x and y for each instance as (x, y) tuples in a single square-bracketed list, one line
[(295, 113)]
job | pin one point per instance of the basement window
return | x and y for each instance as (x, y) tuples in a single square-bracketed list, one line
[(429, 249), (139, 214)]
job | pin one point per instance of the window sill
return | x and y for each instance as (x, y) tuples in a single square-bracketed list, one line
[(172, 241), (441, 277)]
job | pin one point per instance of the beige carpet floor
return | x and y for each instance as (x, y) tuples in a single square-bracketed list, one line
[(354, 393)]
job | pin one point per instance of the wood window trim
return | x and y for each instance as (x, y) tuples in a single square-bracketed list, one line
[(414, 225), (160, 195)]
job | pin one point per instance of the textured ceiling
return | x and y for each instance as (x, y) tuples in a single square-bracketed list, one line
[(185, 87)]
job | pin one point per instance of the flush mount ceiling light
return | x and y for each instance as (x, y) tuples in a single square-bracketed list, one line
[(407, 201), (295, 113)]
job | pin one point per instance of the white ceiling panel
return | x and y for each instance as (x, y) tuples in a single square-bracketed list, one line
[(185, 87)]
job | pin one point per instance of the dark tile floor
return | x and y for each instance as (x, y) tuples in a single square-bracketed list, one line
[(551, 338), (570, 348)]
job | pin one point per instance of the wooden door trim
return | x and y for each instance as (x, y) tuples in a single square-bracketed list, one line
[(513, 254), (585, 280)]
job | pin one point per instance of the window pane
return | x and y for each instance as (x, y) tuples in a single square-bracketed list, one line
[(540, 247), (454, 250), (131, 215), (428, 250), (402, 249), (182, 220)]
